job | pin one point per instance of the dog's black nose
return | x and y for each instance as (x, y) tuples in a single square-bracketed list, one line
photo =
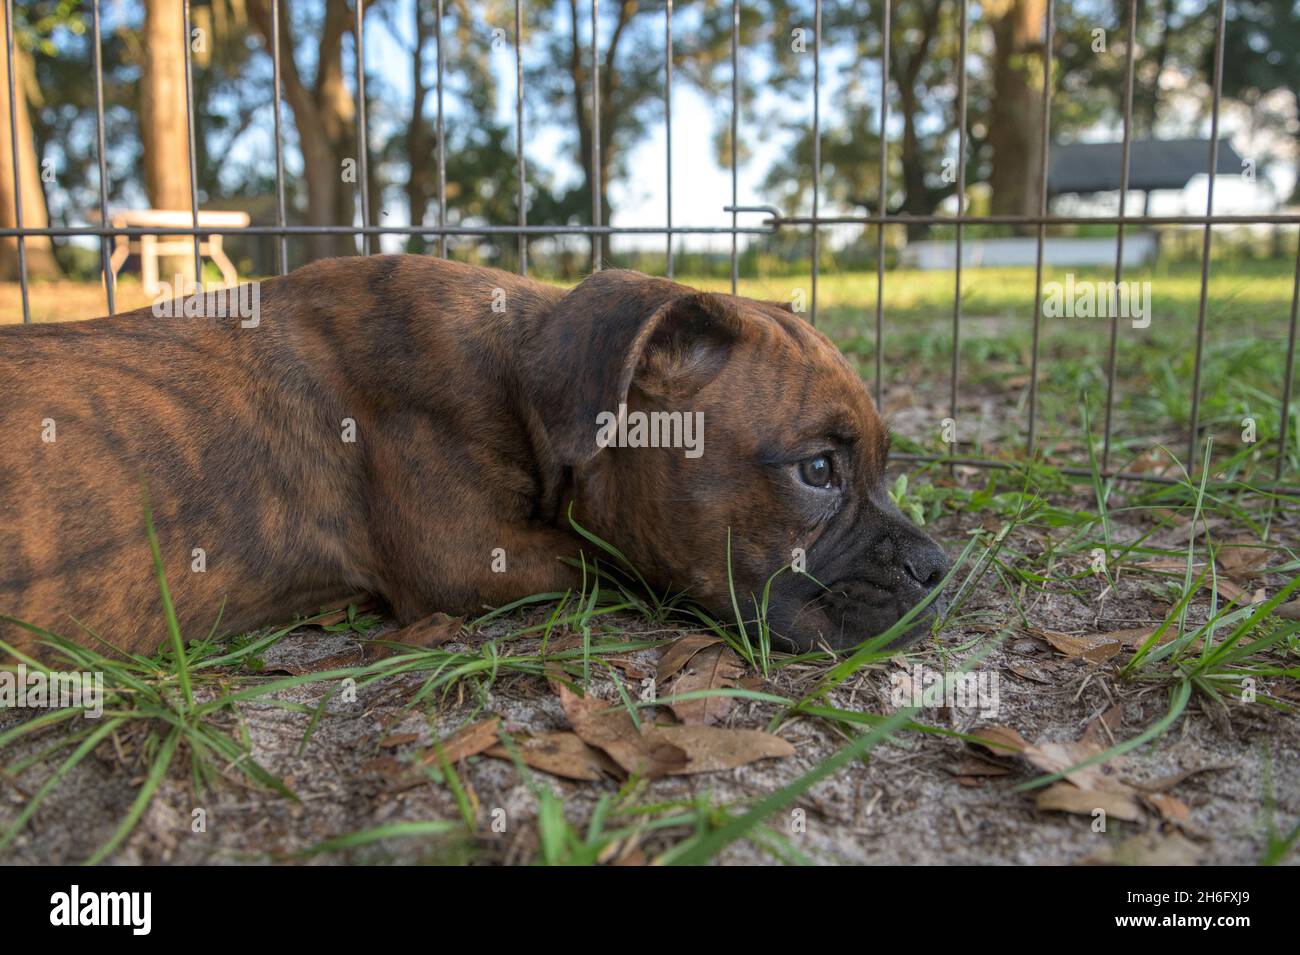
[(926, 565)]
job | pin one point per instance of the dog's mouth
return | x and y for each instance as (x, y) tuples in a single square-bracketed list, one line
[(850, 612)]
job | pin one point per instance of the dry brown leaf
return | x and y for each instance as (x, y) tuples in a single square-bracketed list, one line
[(1149, 849), (1289, 610), (1102, 652), (335, 661), (1242, 555), (565, 641), (466, 741), (679, 653), (424, 634), (1136, 636), (1064, 797), (1167, 565), (611, 729), (632, 667), (361, 603), (713, 668), (397, 739), (560, 753), (623, 852), (1171, 808), (1000, 740), (1092, 647), (1228, 589), (1169, 782), (712, 748), (1059, 757), (974, 766), (1030, 672)]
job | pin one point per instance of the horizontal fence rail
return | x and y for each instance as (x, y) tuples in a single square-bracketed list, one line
[(772, 220)]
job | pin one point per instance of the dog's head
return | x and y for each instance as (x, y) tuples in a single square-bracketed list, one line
[(775, 451)]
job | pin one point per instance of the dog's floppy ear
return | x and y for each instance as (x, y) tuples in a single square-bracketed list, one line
[(613, 328)]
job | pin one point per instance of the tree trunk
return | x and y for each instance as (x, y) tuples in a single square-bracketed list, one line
[(584, 109), (915, 193), (324, 115), (1015, 126), (419, 144), (918, 199), (582, 114), (164, 132), (38, 249), (1147, 107)]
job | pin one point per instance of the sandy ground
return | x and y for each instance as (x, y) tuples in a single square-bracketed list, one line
[(915, 800)]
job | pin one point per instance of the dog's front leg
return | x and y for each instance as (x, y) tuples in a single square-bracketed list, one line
[(490, 570)]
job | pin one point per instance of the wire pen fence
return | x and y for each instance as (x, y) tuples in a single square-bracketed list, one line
[(773, 220)]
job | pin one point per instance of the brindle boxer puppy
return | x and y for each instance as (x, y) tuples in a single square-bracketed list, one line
[(474, 398)]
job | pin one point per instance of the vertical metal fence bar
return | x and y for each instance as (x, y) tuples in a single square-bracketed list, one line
[(668, 123), (1112, 362), (1290, 368), (1043, 155), (105, 256), (735, 127), (1209, 234), (961, 206), (189, 129), (363, 147), (282, 242), (13, 146), (522, 201), (597, 184), (817, 153), (885, 39), (442, 145)]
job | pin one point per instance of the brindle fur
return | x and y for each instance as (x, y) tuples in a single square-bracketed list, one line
[(475, 430)]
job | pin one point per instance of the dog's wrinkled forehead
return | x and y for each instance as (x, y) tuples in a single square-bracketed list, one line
[(810, 388)]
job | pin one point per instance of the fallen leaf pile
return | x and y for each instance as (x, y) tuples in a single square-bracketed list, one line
[(605, 739), (1086, 789)]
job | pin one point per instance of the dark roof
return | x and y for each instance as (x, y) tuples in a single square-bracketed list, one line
[(1153, 164)]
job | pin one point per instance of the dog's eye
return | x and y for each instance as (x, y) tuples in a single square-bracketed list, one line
[(816, 471)]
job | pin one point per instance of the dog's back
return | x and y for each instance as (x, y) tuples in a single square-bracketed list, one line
[(234, 424)]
